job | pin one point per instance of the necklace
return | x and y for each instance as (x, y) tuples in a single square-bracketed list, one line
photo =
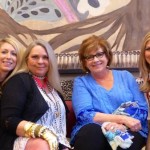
[(42, 86), (42, 82), (38, 77), (54, 104)]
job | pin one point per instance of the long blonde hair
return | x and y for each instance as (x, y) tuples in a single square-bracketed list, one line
[(144, 66), (53, 75), (19, 52)]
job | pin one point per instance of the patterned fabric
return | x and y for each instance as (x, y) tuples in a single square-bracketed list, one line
[(124, 139), (51, 119), (147, 95), (67, 86), (117, 138), (54, 121)]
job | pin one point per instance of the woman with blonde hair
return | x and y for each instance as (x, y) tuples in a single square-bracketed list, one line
[(33, 114), (144, 69), (10, 58)]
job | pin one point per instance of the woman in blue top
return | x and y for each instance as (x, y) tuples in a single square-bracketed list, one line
[(101, 92)]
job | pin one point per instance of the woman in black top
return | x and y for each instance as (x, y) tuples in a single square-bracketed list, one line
[(33, 114)]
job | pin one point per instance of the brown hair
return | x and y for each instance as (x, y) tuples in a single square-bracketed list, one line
[(93, 43)]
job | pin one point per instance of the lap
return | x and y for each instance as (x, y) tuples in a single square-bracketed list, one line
[(36, 144), (91, 137)]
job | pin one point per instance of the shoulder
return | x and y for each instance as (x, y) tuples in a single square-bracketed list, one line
[(83, 78), (20, 75), (123, 73), (20, 79)]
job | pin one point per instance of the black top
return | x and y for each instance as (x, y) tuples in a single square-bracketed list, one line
[(21, 100)]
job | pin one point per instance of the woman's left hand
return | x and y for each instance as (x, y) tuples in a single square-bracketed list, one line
[(132, 123)]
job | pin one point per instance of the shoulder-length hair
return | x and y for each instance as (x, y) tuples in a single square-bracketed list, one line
[(93, 43), (53, 75), (144, 66)]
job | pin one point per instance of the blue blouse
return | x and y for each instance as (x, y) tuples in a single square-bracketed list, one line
[(89, 97)]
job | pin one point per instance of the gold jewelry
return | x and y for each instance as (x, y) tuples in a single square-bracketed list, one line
[(27, 127), (35, 130)]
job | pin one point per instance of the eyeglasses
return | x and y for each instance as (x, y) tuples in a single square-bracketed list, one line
[(91, 57)]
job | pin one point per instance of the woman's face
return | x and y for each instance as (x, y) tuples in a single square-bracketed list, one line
[(8, 58), (96, 61), (147, 52), (38, 62)]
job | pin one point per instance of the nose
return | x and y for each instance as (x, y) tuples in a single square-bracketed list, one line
[(8, 56), (40, 60)]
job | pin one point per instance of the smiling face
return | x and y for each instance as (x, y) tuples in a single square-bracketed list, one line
[(37, 61), (147, 52), (8, 58), (98, 63)]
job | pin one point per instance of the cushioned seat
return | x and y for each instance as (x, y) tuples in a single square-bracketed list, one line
[(71, 118)]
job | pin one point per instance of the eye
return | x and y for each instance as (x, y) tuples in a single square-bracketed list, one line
[(100, 54), (4, 52), (89, 57), (45, 57), (34, 57), (147, 48), (13, 53)]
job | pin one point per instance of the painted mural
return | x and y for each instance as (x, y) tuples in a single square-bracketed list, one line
[(65, 23)]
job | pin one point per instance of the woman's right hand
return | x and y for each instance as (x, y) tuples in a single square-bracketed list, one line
[(132, 123), (112, 126), (51, 138)]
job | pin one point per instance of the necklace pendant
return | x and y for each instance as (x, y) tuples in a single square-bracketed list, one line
[(57, 114)]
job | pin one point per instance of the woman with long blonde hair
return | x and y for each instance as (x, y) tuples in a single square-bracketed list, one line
[(33, 114), (144, 68), (10, 58)]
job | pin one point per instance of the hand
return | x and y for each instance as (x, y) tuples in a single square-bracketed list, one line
[(112, 126), (51, 138), (39, 131), (132, 123)]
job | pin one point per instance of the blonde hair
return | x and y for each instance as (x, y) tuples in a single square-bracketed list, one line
[(144, 66), (53, 75), (19, 52), (93, 43)]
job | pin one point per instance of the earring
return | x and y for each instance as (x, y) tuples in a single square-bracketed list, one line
[(107, 67)]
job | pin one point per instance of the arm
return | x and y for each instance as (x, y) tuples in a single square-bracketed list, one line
[(83, 105), (12, 103), (85, 111), (15, 101), (82, 101)]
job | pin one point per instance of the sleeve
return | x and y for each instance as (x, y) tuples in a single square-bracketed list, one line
[(138, 97), (12, 103), (82, 101)]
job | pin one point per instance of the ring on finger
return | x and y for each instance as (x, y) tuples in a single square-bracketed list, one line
[(112, 128)]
